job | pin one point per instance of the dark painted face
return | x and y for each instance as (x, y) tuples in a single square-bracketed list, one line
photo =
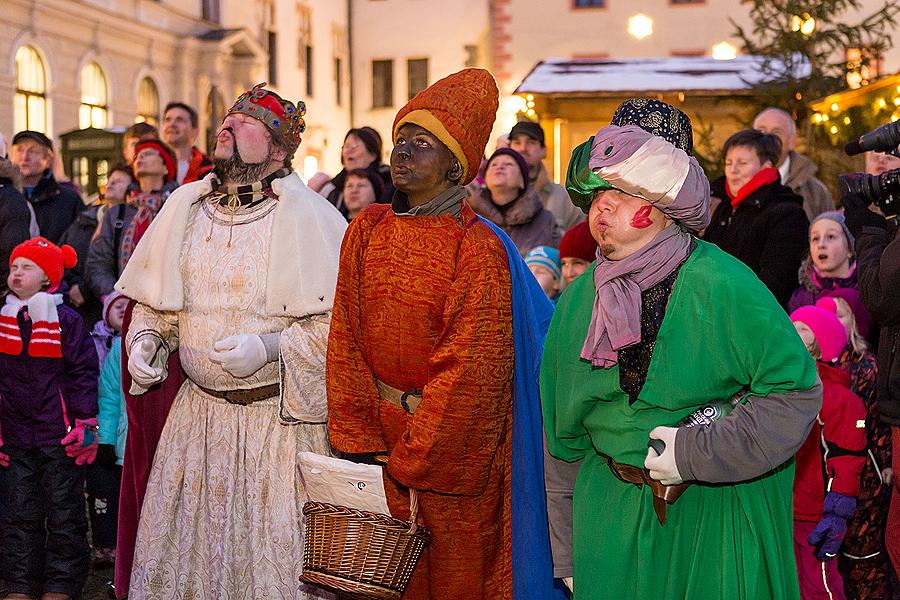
[(420, 163)]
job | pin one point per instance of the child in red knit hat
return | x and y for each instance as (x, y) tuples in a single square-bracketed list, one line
[(577, 250), (826, 481), (48, 420)]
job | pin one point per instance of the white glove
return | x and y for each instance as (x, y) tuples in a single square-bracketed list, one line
[(140, 360), (241, 355), (570, 583), (662, 467)]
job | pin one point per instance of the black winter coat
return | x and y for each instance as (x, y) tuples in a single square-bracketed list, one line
[(878, 272), (768, 232), (79, 235), (55, 206), (15, 217)]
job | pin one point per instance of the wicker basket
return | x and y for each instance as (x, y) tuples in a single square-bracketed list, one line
[(361, 554)]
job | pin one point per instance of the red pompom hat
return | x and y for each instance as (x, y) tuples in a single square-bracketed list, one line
[(459, 110), (165, 153), (52, 259)]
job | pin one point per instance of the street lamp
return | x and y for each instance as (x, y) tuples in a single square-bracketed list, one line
[(640, 26), (724, 51)]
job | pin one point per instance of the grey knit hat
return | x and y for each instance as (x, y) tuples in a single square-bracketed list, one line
[(838, 217)]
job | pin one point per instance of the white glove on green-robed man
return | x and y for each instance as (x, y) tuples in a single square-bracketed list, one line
[(662, 467), (244, 354)]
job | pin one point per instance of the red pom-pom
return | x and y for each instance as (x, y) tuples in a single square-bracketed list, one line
[(69, 256)]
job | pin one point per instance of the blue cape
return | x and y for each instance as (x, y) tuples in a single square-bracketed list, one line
[(531, 312)]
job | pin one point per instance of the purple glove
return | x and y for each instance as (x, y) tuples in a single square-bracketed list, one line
[(828, 535), (81, 442)]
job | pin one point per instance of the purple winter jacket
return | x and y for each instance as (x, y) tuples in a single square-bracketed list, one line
[(33, 390), (813, 286)]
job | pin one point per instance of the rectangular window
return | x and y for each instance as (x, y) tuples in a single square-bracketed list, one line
[(273, 57), (416, 76), (338, 81), (382, 83), (210, 9), (471, 55), (588, 3), (309, 70)]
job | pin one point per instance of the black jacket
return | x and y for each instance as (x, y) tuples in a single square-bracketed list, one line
[(78, 235), (104, 261), (55, 206), (768, 232), (878, 272), (14, 217)]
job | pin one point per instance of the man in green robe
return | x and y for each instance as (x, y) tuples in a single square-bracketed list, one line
[(660, 327)]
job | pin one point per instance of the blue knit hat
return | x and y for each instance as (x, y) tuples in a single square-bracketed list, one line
[(546, 257), (838, 217)]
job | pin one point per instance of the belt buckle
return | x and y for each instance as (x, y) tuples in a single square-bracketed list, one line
[(410, 392)]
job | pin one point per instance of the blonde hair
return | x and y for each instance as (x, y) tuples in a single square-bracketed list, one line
[(856, 341)]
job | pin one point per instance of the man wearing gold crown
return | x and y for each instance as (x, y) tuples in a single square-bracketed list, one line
[(237, 273)]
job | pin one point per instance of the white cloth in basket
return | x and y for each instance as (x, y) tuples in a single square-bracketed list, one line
[(336, 481)]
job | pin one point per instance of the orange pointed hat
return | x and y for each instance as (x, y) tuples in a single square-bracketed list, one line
[(459, 110)]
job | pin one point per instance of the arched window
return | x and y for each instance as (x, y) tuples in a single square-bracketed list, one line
[(93, 111), (148, 102), (215, 112), (30, 104)]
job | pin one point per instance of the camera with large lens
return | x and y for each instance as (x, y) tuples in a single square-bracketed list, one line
[(881, 190)]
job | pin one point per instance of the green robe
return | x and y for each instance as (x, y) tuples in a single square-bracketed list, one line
[(723, 332)]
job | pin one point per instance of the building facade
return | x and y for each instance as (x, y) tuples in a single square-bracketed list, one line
[(400, 47), (69, 64)]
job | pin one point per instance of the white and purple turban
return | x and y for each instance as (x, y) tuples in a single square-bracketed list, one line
[(641, 164)]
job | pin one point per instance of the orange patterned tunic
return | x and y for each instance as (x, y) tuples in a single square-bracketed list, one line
[(425, 302)]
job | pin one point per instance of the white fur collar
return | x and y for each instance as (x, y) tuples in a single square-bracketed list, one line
[(305, 246)]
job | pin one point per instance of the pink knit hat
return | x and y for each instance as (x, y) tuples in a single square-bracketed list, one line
[(860, 312), (826, 327)]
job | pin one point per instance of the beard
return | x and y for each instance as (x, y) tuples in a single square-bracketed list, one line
[(234, 170)]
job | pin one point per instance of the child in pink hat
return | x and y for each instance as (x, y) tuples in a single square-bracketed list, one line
[(835, 446)]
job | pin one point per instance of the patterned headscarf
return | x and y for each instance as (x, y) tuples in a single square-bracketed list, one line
[(658, 118), (643, 165)]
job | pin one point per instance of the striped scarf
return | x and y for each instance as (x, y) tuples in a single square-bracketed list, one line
[(46, 341), (148, 204), (235, 196)]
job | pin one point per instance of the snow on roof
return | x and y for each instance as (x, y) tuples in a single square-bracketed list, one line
[(677, 73)]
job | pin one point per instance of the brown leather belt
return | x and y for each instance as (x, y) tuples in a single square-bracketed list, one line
[(408, 400), (244, 397), (663, 495)]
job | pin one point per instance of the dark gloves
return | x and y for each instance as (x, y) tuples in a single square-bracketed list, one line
[(857, 215), (828, 535), (106, 455)]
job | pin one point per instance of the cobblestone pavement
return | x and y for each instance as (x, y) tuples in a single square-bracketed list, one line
[(94, 589)]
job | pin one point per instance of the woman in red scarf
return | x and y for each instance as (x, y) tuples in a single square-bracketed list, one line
[(759, 220)]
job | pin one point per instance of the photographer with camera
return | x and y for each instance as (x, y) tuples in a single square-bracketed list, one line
[(878, 273)]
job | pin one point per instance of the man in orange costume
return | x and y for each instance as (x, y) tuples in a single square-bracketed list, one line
[(422, 318)]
